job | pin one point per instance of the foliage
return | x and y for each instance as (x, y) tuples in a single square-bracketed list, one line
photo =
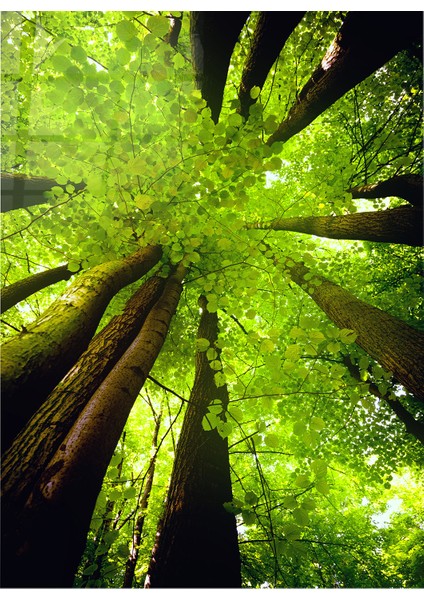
[(100, 97)]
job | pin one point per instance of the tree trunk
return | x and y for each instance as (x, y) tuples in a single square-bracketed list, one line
[(174, 31), (33, 362), (409, 187), (213, 36), (402, 225), (35, 445), (64, 498), (396, 346), (271, 34), (412, 426), (196, 545), (365, 42), (142, 508), (16, 292), (21, 191)]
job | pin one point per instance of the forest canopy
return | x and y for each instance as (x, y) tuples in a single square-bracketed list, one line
[(212, 336)]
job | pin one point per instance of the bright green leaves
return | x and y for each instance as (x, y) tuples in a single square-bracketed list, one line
[(74, 75), (79, 54), (96, 185), (158, 25), (272, 440), (317, 424), (125, 30), (143, 201), (215, 418), (254, 92), (202, 344)]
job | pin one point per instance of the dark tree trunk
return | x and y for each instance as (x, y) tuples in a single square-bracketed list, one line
[(396, 346), (402, 225), (34, 361), (408, 187), (365, 42), (196, 545), (412, 426), (271, 34), (174, 31), (62, 502), (213, 37), (21, 191), (142, 508), (35, 445), (16, 292)]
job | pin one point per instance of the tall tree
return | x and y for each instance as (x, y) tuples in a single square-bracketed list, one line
[(66, 492), (365, 42), (34, 361), (196, 544), (409, 187)]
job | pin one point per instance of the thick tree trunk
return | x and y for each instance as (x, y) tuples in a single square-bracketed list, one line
[(196, 545), (365, 42), (408, 187), (64, 498), (412, 426), (33, 362), (396, 346), (142, 508), (271, 34), (402, 225), (16, 292), (213, 37), (35, 445), (21, 191), (174, 31)]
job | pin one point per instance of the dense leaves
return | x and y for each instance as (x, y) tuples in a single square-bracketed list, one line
[(106, 106)]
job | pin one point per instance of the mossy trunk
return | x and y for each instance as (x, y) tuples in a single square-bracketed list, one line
[(16, 292), (365, 42), (196, 545), (34, 361), (402, 225), (396, 346), (36, 444), (61, 504)]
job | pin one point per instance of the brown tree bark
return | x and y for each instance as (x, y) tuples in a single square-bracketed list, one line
[(409, 187), (21, 191), (16, 292), (196, 545), (142, 508), (271, 33), (396, 346), (174, 30), (365, 42), (34, 361), (35, 445), (412, 426), (213, 36), (62, 502), (402, 225)]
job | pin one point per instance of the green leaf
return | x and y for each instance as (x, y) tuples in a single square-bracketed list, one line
[(255, 91), (317, 424), (215, 365), (158, 25), (210, 421), (236, 413), (130, 492), (74, 75), (272, 440), (249, 517), (202, 344), (291, 531), (289, 502), (302, 481), (143, 201), (299, 428), (301, 516), (125, 30), (250, 498), (322, 487), (224, 429)]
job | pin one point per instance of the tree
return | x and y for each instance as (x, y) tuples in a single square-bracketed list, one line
[(196, 544), (155, 131)]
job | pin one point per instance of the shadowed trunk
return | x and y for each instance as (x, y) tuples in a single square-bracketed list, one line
[(34, 446), (21, 191), (34, 361), (63, 500), (402, 225), (396, 346), (366, 41), (271, 33), (412, 426), (16, 292), (196, 544), (213, 37), (408, 187)]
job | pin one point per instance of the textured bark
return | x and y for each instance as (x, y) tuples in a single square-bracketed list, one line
[(213, 36), (20, 191), (196, 545), (16, 292), (402, 225), (408, 187), (365, 42), (174, 31), (412, 426), (271, 34), (142, 508), (34, 361), (64, 498), (396, 346), (35, 445)]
